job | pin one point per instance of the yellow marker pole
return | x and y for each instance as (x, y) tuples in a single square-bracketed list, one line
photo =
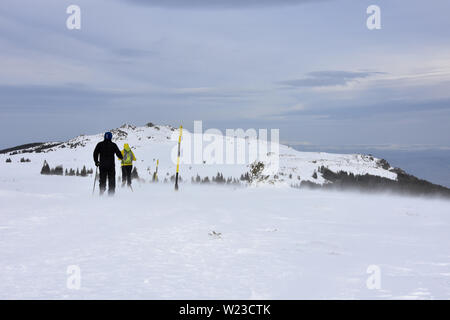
[(156, 172), (178, 159)]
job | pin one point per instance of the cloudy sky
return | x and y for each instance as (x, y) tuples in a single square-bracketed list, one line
[(308, 67)]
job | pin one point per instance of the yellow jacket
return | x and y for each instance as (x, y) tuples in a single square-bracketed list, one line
[(128, 156)]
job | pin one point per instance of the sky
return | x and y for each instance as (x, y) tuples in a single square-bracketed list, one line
[(310, 68)]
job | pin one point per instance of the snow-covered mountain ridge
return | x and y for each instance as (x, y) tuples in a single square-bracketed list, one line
[(152, 142)]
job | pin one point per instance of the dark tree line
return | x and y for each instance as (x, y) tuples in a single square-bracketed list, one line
[(59, 171), (218, 179), (79, 173), (405, 183)]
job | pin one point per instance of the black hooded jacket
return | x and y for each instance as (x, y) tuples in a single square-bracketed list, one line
[(106, 149)]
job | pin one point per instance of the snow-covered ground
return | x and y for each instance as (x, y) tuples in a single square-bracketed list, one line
[(274, 243), (213, 241)]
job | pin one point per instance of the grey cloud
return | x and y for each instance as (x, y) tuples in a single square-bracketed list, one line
[(328, 78), (49, 98), (78, 97), (367, 111), (45, 37)]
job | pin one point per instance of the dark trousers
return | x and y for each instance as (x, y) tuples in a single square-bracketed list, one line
[(126, 175), (110, 174)]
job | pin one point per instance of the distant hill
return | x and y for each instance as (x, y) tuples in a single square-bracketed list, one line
[(296, 169), (22, 147)]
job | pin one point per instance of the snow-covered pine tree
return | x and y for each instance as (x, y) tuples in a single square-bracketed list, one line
[(83, 172), (45, 168)]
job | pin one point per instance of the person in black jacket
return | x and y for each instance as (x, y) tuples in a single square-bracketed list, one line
[(107, 149)]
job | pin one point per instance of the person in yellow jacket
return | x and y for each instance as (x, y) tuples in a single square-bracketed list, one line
[(127, 164)]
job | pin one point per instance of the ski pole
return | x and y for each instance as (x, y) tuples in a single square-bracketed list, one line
[(95, 180), (178, 159)]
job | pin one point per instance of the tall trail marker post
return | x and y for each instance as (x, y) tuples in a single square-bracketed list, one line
[(155, 175), (178, 158)]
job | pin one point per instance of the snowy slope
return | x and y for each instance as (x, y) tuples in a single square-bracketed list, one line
[(159, 142), (279, 243), (275, 243)]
